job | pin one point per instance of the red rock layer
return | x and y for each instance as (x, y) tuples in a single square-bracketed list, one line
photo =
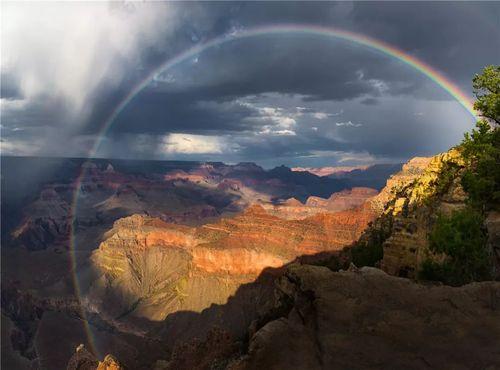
[(340, 201), (242, 245)]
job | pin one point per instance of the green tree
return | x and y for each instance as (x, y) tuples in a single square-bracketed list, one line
[(487, 91), (481, 148), (481, 178), (462, 238)]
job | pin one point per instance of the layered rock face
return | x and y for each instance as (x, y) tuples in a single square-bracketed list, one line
[(410, 171), (366, 319), (104, 197), (293, 209), (409, 206), (149, 268), (342, 200), (47, 221), (191, 195), (413, 208)]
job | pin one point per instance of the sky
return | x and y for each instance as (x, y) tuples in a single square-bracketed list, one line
[(294, 98)]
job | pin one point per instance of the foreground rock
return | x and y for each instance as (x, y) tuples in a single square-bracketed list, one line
[(369, 320)]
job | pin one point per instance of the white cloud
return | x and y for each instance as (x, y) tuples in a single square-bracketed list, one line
[(192, 144), (323, 115), (68, 49), (18, 147), (357, 157), (320, 115), (164, 77), (285, 132), (279, 121), (380, 85), (286, 122), (12, 104), (269, 131), (360, 74), (278, 116), (348, 124), (347, 157)]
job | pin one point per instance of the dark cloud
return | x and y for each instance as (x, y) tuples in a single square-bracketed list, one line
[(276, 98), (369, 101), (9, 87)]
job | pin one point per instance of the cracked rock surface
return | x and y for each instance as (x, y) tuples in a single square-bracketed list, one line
[(366, 319)]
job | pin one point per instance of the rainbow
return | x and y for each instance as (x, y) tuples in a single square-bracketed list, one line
[(433, 74), (377, 45)]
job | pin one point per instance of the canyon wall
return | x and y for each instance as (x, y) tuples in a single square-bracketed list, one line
[(150, 268)]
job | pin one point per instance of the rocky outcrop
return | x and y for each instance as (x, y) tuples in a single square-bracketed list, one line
[(366, 319), (47, 221), (413, 209), (293, 209), (408, 207), (346, 199), (82, 359), (410, 171)]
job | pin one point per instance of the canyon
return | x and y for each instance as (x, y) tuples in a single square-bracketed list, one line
[(162, 268), (169, 262), (146, 241)]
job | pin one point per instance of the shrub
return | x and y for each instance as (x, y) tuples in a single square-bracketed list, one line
[(462, 238)]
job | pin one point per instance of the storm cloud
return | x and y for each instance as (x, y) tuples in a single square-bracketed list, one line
[(294, 99)]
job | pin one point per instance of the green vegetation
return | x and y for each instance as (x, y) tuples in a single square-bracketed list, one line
[(481, 179), (462, 237), (487, 91), (481, 148), (448, 174), (369, 253)]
